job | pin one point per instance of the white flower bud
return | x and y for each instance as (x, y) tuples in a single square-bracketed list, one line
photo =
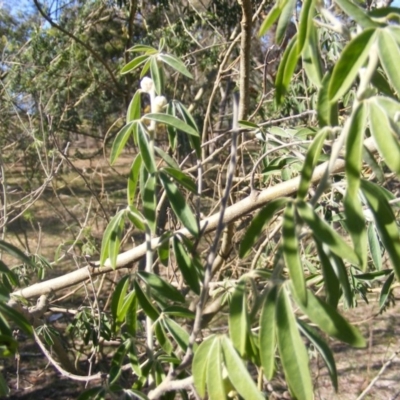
[(159, 103), (147, 84)]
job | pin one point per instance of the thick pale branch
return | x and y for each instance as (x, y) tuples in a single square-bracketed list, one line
[(251, 203)]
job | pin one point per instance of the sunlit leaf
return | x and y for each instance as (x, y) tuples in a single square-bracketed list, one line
[(351, 60), (272, 16), (180, 335), (374, 247), (215, 381), (357, 13), (293, 353), (268, 333), (111, 239), (327, 111), (286, 15), (291, 252), (305, 23), (175, 63), (331, 322), (134, 108), (133, 178), (172, 121), (312, 58), (135, 63), (149, 199), (157, 75), (386, 291), (181, 178)]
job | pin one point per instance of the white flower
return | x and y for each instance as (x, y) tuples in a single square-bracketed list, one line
[(147, 84), (159, 103)]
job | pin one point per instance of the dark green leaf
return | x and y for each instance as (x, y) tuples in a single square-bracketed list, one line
[(16, 253), (169, 160), (16, 317), (120, 141), (146, 149), (327, 111), (181, 178), (145, 303), (133, 178), (305, 23), (149, 199), (162, 337), (180, 335), (385, 291)]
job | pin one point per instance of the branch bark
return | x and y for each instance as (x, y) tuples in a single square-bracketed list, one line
[(249, 204)]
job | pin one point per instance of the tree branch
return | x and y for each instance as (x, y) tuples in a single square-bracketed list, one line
[(249, 204)]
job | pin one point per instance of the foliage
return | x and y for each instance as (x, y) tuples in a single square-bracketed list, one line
[(209, 307)]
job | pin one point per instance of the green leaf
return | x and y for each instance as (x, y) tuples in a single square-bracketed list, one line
[(325, 233), (182, 178), (238, 373), (133, 178), (268, 333), (170, 120), (199, 365), (186, 265), (323, 349), (291, 252), (16, 253), (271, 17), (327, 111), (111, 239), (175, 63), (293, 353), (120, 141), (258, 223), (135, 63), (179, 311), (134, 108), (305, 23), (331, 322), (179, 205), (384, 135), (357, 13), (215, 380), (385, 221), (150, 202), (311, 57), (142, 47), (351, 60), (146, 151), (385, 291), (180, 335), (160, 285), (16, 317), (284, 20), (117, 300), (355, 220), (331, 281), (4, 389), (168, 159), (312, 157), (162, 337), (238, 320), (374, 247), (389, 54), (157, 75), (286, 69), (136, 218), (145, 303)]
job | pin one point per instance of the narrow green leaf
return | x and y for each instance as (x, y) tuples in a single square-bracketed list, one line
[(286, 69), (112, 229), (157, 75), (305, 23), (287, 13), (16, 317), (175, 63), (389, 54), (325, 233), (142, 47), (331, 322), (384, 135), (374, 247), (385, 291), (271, 17), (133, 178), (179, 205), (351, 60), (199, 365), (4, 389), (149, 199), (238, 373), (186, 266), (179, 311), (134, 108), (180, 335), (385, 221), (136, 218), (117, 299), (120, 141), (162, 337), (172, 121), (327, 111), (357, 13), (114, 242), (215, 380), (291, 252), (160, 285), (135, 63), (238, 320), (180, 177), (146, 150), (370, 276), (168, 159), (131, 317), (311, 57), (258, 223), (310, 162), (323, 349), (268, 333), (145, 303), (293, 353), (16, 253), (331, 281)]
